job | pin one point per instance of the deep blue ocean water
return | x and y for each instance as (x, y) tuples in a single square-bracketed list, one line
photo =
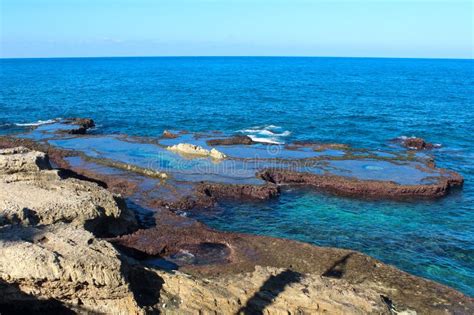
[(361, 102)]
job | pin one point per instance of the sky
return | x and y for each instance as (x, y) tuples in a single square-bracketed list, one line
[(363, 28)]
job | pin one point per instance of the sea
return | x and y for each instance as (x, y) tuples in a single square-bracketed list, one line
[(362, 102)]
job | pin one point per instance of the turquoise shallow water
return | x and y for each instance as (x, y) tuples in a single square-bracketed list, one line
[(360, 102)]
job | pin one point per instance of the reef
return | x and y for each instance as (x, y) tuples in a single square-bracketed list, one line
[(84, 230)]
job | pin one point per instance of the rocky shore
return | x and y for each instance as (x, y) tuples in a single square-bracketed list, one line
[(68, 244)]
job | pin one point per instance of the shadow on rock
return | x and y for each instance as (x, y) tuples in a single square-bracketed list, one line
[(67, 173), (14, 301), (269, 291), (338, 269), (145, 284)]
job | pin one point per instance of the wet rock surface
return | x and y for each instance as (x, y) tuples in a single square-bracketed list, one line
[(329, 167), (239, 192), (344, 186), (169, 135), (83, 124), (414, 143), (246, 140)]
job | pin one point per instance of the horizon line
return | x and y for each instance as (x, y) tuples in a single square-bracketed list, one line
[(232, 56)]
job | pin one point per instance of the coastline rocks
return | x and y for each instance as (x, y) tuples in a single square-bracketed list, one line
[(21, 159), (49, 262), (363, 188), (267, 290), (63, 263), (235, 140), (285, 265), (58, 265), (195, 150), (34, 194)]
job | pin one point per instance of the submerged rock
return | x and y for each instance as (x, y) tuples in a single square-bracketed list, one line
[(195, 150)]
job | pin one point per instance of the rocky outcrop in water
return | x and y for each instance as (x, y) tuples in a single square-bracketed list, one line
[(169, 135), (195, 150), (83, 124), (238, 192), (353, 187), (235, 140), (414, 143)]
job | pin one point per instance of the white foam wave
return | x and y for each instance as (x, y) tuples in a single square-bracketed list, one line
[(266, 134), (37, 123), (264, 140)]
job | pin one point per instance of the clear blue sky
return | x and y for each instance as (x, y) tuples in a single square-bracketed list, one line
[(397, 28)]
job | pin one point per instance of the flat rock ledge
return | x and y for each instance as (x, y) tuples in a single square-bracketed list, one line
[(353, 187), (53, 261)]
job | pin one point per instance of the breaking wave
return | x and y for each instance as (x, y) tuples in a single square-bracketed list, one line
[(270, 134), (37, 123)]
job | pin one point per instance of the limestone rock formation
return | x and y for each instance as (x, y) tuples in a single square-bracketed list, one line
[(268, 290), (64, 263), (21, 159), (31, 193), (195, 150)]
